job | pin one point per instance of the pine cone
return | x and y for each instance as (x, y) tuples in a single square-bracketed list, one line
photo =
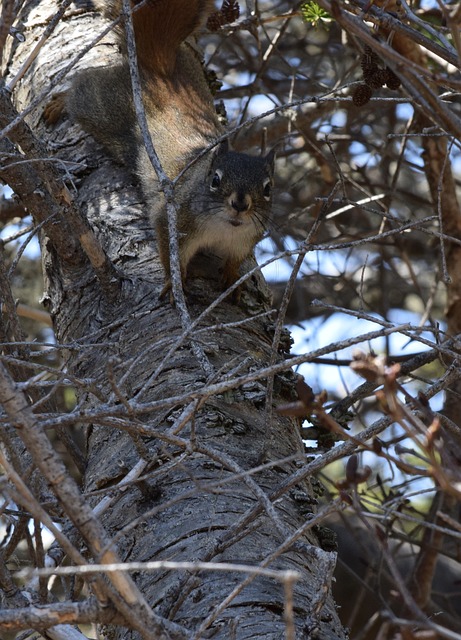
[(362, 94), (376, 78), (215, 21), (230, 10), (392, 81), (369, 61)]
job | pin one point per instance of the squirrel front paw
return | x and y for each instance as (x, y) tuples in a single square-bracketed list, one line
[(230, 275), (168, 289), (55, 108)]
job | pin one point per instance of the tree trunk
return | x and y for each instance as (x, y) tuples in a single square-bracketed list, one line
[(180, 399)]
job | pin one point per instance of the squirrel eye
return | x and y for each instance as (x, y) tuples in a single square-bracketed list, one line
[(267, 188), (216, 181)]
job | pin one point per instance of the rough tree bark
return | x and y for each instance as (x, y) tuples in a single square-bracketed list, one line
[(181, 398)]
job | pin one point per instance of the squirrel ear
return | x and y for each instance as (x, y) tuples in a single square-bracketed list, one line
[(269, 158)]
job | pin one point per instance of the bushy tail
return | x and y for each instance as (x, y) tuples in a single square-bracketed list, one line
[(160, 26)]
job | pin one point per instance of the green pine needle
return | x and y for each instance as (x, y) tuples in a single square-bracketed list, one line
[(314, 14)]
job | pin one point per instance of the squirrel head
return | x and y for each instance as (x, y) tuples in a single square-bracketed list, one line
[(243, 183)]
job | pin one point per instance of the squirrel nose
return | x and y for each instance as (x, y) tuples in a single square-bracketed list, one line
[(241, 203)]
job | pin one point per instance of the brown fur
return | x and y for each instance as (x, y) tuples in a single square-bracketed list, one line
[(229, 219)]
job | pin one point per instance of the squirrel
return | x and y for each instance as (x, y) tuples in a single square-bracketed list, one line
[(225, 197)]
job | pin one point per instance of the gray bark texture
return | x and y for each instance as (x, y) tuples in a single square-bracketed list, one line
[(144, 396)]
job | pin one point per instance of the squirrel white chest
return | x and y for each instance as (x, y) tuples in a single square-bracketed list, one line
[(223, 235)]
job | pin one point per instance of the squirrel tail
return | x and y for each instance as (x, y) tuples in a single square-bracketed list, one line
[(160, 27)]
